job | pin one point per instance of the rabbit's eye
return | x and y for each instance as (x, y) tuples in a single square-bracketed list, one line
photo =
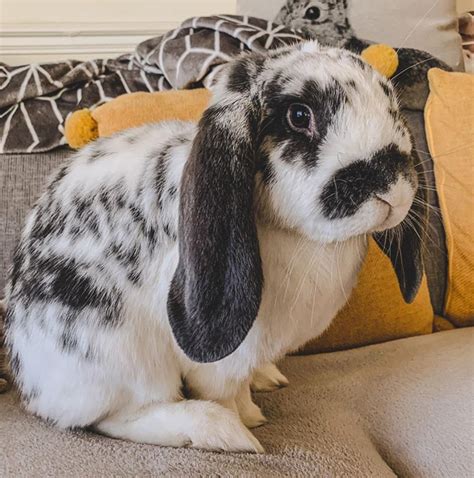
[(300, 118), (313, 13)]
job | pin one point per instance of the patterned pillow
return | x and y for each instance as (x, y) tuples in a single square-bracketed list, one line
[(424, 24)]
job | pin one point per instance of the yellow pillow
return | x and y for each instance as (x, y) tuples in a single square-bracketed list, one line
[(449, 118), (135, 109), (376, 311)]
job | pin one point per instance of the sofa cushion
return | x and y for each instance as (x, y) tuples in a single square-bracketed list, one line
[(396, 409), (449, 125)]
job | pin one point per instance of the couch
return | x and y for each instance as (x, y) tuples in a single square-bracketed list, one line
[(402, 408)]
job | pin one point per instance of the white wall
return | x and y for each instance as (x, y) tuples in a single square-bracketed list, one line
[(465, 5), (43, 30)]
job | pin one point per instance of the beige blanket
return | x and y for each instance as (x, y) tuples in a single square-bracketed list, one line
[(402, 408)]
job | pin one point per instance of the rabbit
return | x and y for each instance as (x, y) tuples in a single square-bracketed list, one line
[(167, 268), (328, 22)]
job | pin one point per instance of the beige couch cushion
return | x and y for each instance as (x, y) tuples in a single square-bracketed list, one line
[(396, 409)]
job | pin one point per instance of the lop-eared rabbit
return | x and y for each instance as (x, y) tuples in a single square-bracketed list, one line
[(166, 268)]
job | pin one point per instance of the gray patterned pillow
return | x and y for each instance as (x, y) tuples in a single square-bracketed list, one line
[(423, 24)]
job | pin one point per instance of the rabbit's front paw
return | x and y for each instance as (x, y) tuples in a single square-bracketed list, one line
[(249, 412), (267, 379), (252, 416), (224, 431)]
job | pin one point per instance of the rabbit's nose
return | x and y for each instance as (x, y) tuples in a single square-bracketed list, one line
[(399, 198), (398, 195)]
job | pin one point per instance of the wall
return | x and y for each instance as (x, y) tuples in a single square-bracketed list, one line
[(465, 5), (43, 30)]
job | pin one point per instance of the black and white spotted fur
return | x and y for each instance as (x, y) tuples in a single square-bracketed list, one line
[(180, 258), (328, 22)]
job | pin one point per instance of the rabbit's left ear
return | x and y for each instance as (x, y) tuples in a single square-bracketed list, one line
[(404, 244), (216, 291)]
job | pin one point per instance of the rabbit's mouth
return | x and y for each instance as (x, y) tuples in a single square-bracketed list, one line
[(397, 201), (395, 214)]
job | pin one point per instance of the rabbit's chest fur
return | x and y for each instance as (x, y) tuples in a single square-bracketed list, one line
[(306, 283)]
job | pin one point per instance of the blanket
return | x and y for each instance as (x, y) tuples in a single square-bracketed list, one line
[(35, 100)]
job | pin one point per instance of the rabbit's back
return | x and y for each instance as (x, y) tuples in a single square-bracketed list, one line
[(93, 257)]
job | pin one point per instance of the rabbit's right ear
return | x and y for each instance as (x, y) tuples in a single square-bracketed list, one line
[(216, 291)]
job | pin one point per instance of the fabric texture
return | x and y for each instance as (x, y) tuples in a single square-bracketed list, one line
[(424, 24), (36, 99), (396, 409), (449, 124)]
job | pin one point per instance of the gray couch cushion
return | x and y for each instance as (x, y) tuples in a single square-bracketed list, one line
[(22, 179), (397, 409)]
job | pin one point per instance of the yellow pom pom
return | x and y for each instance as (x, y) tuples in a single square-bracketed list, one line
[(81, 128), (383, 58)]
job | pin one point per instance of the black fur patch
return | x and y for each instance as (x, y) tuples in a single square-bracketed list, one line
[(386, 89), (68, 342), (83, 206), (172, 190), (92, 224), (134, 277), (244, 72), (361, 63), (324, 102), (48, 223), (73, 289), (355, 184), (96, 154), (161, 170), (128, 258), (66, 281), (61, 174), (18, 260), (215, 294), (351, 84), (31, 394), (15, 364)]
